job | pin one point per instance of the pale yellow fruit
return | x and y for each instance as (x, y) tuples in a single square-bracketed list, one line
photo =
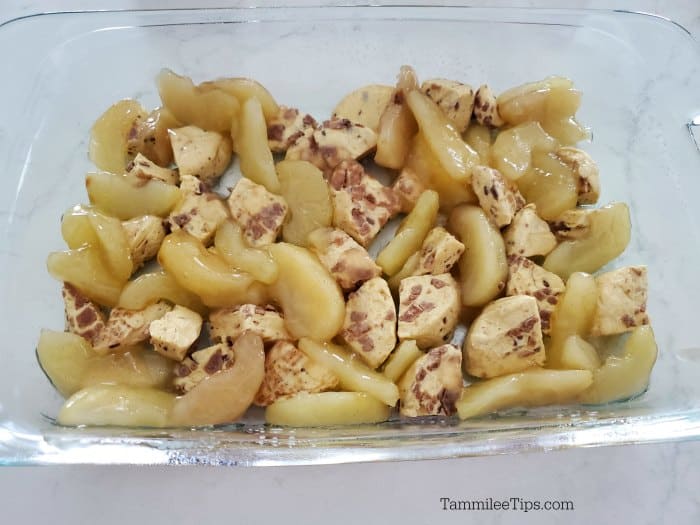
[(401, 359), (126, 196), (397, 124), (150, 288), (76, 228), (572, 316), (250, 143), (396, 129), (83, 226), (579, 354), (365, 105), (533, 387), (243, 89), (85, 269), (607, 237), (225, 396), (309, 199), (232, 247), (113, 244), (117, 405), (410, 234), (109, 135), (567, 130), (354, 375), (623, 377), (537, 101), (64, 358), (206, 274), (561, 100), (430, 172), (311, 300), (327, 408), (511, 153), (478, 137), (139, 366), (553, 102), (211, 110), (550, 185), (453, 154), (483, 266), (407, 270), (71, 364)]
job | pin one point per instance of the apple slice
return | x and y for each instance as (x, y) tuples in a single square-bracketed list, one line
[(225, 396)]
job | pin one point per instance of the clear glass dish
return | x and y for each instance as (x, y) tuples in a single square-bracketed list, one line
[(640, 78)]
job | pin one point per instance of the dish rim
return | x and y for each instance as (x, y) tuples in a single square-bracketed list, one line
[(656, 16)]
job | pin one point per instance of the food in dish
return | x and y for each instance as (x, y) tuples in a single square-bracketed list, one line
[(187, 301)]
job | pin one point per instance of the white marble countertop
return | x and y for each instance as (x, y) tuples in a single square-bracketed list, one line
[(649, 484)]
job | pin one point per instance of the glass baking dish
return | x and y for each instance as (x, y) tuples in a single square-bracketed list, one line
[(641, 84)]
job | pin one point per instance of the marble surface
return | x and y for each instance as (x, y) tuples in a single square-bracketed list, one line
[(633, 484)]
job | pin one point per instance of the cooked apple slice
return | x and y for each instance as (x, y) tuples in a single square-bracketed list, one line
[(553, 102), (311, 300), (110, 134), (64, 358), (138, 366), (250, 143), (397, 125), (478, 137), (401, 359), (353, 373), (567, 130), (579, 354), (411, 233), (206, 274), (232, 247), (211, 110), (85, 269), (76, 228), (607, 237), (117, 405), (150, 288), (243, 89), (453, 154), (573, 316), (483, 266), (127, 196), (431, 173), (309, 199), (626, 376), (327, 408), (113, 244), (550, 185), (512, 150), (531, 388), (225, 396), (83, 226), (407, 270), (537, 101)]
